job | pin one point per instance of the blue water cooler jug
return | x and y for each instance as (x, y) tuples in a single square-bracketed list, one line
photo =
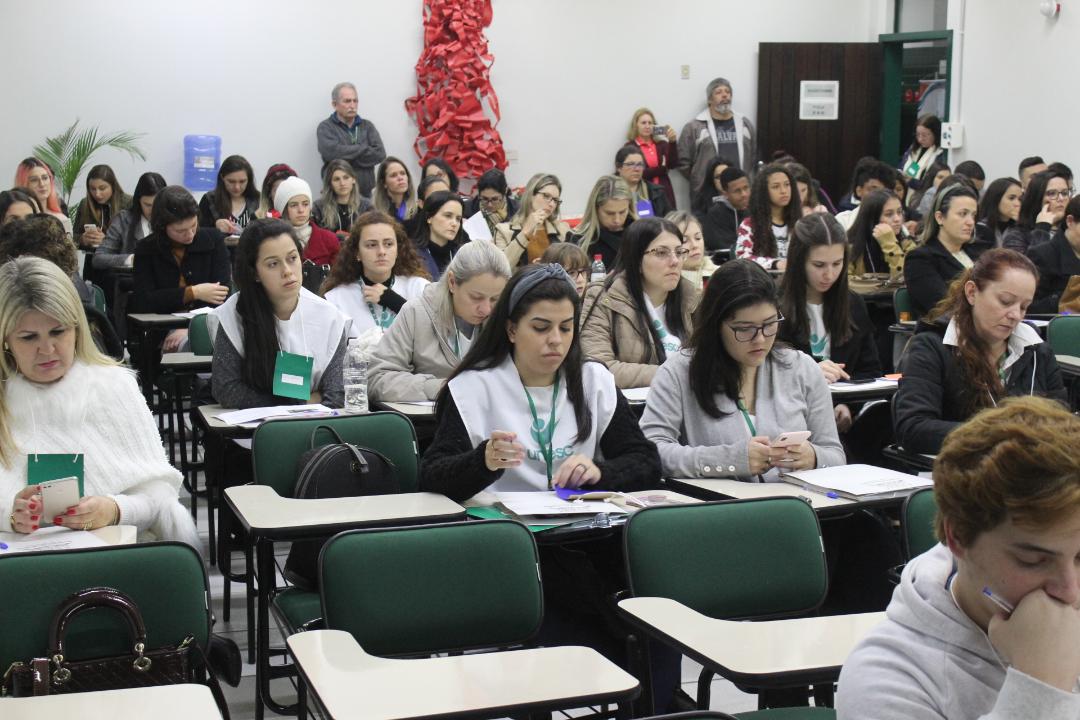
[(202, 158)]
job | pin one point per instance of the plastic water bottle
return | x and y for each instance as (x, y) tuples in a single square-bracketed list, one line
[(354, 377), (598, 272)]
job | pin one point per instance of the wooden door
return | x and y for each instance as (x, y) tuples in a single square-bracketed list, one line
[(829, 148)]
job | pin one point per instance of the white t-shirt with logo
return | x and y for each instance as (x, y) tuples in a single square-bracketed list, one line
[(671, 342), (820, 345)]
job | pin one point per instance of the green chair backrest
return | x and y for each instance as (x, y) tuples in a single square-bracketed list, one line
[(1063, 334), (99, 297), (736, 559), (919, 511), (419, 590), (902, 303), (278, 443), (166, 580), (199, 335)]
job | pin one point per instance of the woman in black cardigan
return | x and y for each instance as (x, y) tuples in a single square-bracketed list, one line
[(1057, 260), (179, 266), (822, 317), (941, 255), (972, 351)]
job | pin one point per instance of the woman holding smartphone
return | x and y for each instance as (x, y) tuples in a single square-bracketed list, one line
[(716, 408), (658, 147)]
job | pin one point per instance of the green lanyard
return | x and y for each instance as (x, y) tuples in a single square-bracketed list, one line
[(746, 417), (545, 447)]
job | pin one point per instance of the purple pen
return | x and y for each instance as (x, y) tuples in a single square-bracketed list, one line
[(1000, 602)]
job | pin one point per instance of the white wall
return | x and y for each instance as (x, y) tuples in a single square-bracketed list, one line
[(568, 73), (1014, 94)]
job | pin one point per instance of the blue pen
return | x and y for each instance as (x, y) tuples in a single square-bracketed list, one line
[(3, 546), (1000, 602), (832, 495)]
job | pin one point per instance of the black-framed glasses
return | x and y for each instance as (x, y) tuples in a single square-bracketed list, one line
[(666, 253), (747, 333), (494, 201), (579, 273), (548, 197)]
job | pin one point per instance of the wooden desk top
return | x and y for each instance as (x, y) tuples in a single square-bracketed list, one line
[(158, 319), (739, 490), (264, 512), (186, 361), (352, 684), (752, 652), (163, 702)]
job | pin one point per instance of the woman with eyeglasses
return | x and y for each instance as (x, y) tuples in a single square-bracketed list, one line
[(717, 408), (37, 177), (573, 261), (641, 313), (493, 199), (536, 224), (649, 199), (1042, 211), (973, 350), (941, 255)]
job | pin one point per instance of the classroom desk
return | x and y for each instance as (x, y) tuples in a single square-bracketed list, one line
[(419, 411), (207, 417), (904, 327), (1070, 365), (183, 365), (847, 392), (267, 518), (350, 684), (765, 654), (919, 462), (112, 535), (144, 325), (728, 489), (162, 702)]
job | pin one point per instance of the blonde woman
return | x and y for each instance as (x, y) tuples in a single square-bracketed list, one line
[(657, 143), (61, 396), (698, 267), (536, 224), (341, 202), (608, 212)]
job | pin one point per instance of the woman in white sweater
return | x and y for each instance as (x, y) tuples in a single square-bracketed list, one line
[(62, 397)]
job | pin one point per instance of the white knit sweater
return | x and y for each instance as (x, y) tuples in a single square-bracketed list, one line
[(98, 411)]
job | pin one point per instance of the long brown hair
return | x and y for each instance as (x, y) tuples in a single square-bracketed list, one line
[(347, 268), (971, 350)]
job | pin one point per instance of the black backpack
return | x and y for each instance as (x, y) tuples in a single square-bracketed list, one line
[(334, 471)]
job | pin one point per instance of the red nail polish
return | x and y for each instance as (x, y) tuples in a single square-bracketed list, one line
[(58, 521), (71, 512), (33, 506), (33, 517), (33, 527)]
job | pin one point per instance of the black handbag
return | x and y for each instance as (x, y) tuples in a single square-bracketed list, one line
[(55, 675)]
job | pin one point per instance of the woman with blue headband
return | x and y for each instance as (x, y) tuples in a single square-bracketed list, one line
[(524, 411)]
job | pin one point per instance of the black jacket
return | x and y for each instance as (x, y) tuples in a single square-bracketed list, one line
[(606, 245), (156, 275), (928, 270), (934, 395), (859, 354), (1057, 263), (1023, 239), (721, 226), (454, 468)]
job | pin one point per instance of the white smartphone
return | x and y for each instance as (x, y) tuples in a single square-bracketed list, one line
[(791, 438), (57, 496)]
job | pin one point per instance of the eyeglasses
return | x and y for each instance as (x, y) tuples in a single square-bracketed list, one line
[(634, 165), (580, 273), (548, 197), (494, 201), (747, 333), (1063, 194), (665, 253)]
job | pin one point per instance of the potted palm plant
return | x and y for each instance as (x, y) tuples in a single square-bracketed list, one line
[(70, 151)]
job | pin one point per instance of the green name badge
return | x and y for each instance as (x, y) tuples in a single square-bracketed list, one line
[(913, 169), (42, 467), (292, 376)]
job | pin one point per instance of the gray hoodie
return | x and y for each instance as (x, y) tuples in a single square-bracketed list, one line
[(929, 660)]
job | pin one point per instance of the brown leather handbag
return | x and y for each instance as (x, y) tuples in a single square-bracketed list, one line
[(142, 667)]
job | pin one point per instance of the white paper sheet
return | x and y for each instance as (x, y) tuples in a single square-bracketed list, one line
[(477, 228), (193, 313), (49, 538), (636, 395), (546, 504), (847, 388), (255, 415), (858, 480)]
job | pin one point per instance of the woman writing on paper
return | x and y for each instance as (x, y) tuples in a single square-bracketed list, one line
[(375, 274), (524, 411), (824, 319), (971, 351), (715, 405), (275, 343), (433, 332), (63, 399)]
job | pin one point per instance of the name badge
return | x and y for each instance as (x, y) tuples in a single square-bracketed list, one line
[(913, 169), (43, 467), (644, 208), (292, 376)]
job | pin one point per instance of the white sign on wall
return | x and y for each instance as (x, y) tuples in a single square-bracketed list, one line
[(819, 99)]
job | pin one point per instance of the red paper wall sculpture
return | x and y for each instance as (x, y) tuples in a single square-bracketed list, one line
[(455, 106)]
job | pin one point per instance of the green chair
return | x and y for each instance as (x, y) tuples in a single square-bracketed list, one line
[(199, 336), (99, 297), (1063, 334), (902, 303), (276, 447), (918, 522), (420, 590), (166, 580), (749, 559)]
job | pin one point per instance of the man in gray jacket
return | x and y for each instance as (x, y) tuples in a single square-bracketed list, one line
[(717, 131), (346, 136)]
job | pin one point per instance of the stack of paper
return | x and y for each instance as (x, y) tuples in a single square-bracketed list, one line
[(856, 481), (546, 504), (850, 388), (253, 416)]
